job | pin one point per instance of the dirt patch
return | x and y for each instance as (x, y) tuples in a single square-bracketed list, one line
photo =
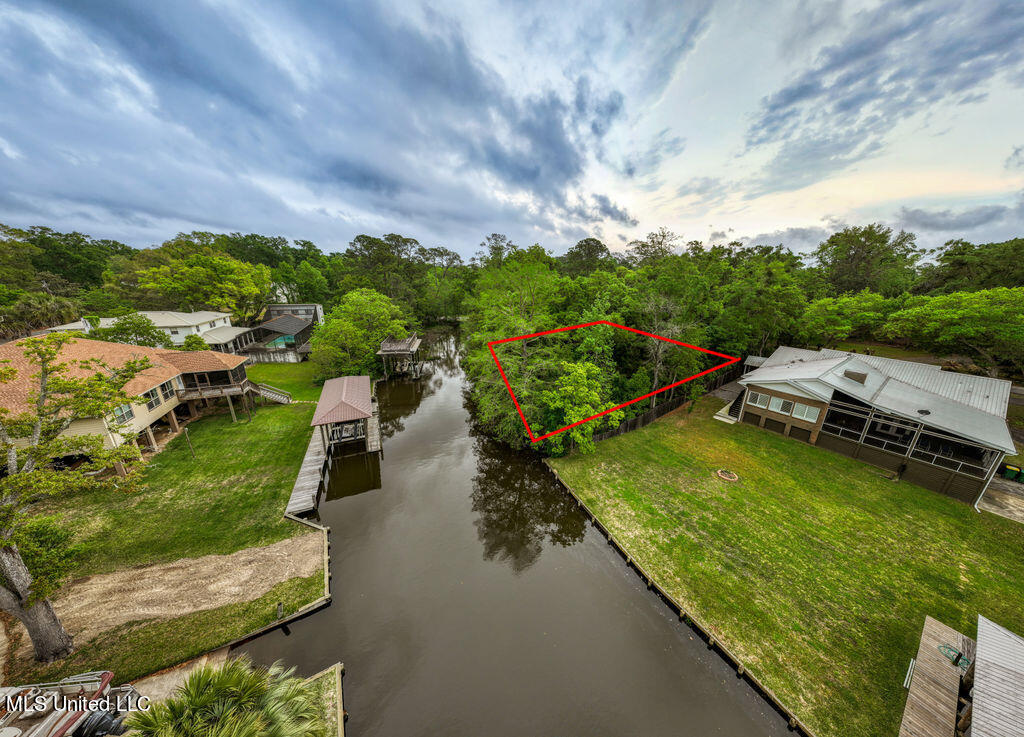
[(93, 605), (1003, 503)]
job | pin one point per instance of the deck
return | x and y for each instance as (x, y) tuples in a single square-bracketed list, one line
[(935, 685), (373, 433), (307, 483)]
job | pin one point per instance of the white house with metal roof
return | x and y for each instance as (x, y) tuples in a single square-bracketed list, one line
[(213, 327), (939, 429)]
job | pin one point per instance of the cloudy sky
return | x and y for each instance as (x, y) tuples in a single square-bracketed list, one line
[(446, 122)]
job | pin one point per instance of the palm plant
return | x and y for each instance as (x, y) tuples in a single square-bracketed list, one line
[(236, 699)]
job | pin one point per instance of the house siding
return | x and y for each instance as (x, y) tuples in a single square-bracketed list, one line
[(788, 422)]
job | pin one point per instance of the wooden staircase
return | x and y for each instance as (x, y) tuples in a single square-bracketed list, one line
[(268, 392)]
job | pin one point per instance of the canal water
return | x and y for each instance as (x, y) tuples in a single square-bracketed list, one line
[(472, 598)]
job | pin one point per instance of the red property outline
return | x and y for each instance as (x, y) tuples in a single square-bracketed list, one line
[(533, 439)]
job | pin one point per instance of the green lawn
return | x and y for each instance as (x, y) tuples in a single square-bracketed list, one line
[(295, 378), (231, 497), (815, 570)]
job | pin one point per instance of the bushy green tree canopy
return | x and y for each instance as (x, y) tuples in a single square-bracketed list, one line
[(347, 342)]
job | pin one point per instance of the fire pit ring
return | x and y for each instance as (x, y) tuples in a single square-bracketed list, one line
[(726, 475)]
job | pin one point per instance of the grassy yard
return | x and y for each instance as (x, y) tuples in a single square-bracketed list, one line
[(295, 378), (813, 568), (232, 496)]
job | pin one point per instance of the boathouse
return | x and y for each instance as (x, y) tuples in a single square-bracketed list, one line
[(959, 686), (400, 355), (347, 413), (939, 429)]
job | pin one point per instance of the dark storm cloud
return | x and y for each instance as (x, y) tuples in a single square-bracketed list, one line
[(798, 239), (896, 61), (318, 121), (941, 220)]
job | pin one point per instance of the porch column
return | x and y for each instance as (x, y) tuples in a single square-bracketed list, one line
[(192, 411), (152, 439), (323, 436), (172, 420), (231, 406), (120, 469), (988, 478)]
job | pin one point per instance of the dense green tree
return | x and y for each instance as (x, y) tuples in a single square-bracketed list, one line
[(656, 246), (348, 340), (236, 699), (73, 256), (825, 322), (762, 305), (579, 391), (64, 390), (16, 257), (310, 284), (442, 284), (586, 256), (494, 249), (134, 329), (868, 257), (253, 248), (194, 342), (209, 280), (963, 266), (988, 325), (516, 297)]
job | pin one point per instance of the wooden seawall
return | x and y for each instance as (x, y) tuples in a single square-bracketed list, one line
[(310, 478)]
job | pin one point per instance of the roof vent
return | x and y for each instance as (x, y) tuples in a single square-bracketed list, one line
[(859, 376), (924, 412)]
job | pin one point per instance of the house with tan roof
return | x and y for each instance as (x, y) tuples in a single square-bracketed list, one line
[(939, 429), (171, 389)]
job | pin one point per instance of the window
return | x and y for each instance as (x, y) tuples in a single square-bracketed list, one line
[(173, 331), (152, 398), (167, 389), (758, 400), (123, 413), (806, 412), (782, 406)]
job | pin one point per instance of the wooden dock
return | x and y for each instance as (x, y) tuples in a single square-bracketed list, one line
[(373, 433), (935, 683), (311, 474)]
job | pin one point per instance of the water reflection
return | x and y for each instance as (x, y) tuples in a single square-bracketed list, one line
[(399, 399), (353, 474), (517, 510)]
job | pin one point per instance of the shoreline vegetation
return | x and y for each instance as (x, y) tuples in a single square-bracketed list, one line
[(815, 569)]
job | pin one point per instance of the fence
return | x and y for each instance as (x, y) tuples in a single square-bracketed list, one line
[(711, 382)]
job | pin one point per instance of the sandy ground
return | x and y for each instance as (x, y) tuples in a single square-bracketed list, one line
[(92, 605)]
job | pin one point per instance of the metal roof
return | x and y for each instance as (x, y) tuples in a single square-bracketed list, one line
[(344, 399), (998, 682), (973, 407), (754, 360), (160, 318), (399, 345), (286, 325), (224, 333)]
